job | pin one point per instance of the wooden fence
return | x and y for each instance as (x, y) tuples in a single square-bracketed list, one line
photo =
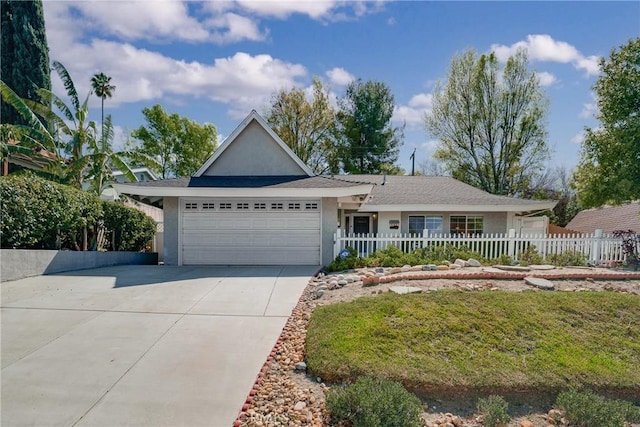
[(596, 247)]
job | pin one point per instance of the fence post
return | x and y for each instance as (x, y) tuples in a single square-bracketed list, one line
[(336, 242), (511, 243), (596, 246)]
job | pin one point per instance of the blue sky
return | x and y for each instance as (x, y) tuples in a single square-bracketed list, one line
[(215, 61)]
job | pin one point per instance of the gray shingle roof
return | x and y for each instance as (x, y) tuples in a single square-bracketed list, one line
[(286, 181), (607, 219), (430, 190)]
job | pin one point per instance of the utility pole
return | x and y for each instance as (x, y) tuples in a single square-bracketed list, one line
[(413, 162)]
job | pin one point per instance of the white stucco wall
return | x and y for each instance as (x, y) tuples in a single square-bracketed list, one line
[(171, 230), (383, 222), (328, 228)]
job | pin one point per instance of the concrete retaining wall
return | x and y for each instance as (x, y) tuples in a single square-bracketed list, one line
[(18, 263)]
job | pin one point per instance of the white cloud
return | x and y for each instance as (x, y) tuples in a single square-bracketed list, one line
[(325, 10), (237, 28), (159, 19), (578, 138), (415, 110), (546, 79), (339, 76), (589, 109), (242, 81), (542, 47)]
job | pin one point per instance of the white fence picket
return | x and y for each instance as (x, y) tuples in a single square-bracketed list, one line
[(595, 247)]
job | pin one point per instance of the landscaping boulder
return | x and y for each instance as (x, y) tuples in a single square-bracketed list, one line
[(473, 263), (401, 290), (539, 283)]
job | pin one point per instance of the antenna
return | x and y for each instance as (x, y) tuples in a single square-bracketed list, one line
[(413, 162)]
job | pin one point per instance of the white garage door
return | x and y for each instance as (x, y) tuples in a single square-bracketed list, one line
[(250, 232)]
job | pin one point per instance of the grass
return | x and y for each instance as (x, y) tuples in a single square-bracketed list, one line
[(452, 340)]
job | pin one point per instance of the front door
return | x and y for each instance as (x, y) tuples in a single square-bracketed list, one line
[(361, 224)]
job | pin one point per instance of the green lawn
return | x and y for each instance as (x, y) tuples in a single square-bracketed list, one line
[(451, 340)]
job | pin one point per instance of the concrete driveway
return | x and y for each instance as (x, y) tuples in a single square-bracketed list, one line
[(140, 345)]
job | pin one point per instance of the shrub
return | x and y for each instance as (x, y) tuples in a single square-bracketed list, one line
[(630, 246), (374, 402), (493, 410), (586, 409), (568, 258), (41, 214), (530, 256), (132, 228)]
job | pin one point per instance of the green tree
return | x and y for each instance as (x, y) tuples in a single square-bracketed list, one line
[(101, 85), (73, 139), (490, 122), (367, 142), (306, 126), (609, 167), (24, 54), (177, 145)]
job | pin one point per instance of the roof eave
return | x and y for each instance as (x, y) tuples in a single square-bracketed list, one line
[(150, 191), (540, 206)]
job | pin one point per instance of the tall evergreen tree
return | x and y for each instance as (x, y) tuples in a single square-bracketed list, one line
[(24, 53), (368, 143)]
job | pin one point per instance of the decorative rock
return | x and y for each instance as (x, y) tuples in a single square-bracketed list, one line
[(526, 423), (455, 266), (340, 277), (512, 268), (539, 282), (442, 267), (301, 367), (342, 282), (379, 270), (395, 270), (299, 406), (322, 287), (401, 290), (473, 263), (405, 268), (416, 268), (333, 284), (429, 267), (350, 279), (492, 270), (319, 293), (542, 267), (461, 262)]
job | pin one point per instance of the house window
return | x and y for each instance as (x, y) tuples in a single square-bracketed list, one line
[(311, 206), (225, 206), (294, 206), (276, 206), (242, 206), (466, 224), (418, 223), (259, 206), (208, 206), (190, 206)]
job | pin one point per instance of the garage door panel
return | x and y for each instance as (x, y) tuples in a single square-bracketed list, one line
[(246, 236)]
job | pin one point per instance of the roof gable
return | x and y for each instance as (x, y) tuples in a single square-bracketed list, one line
[(253, 149)]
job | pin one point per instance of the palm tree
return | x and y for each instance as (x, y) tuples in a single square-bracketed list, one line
[(81, 146), (101, 84)]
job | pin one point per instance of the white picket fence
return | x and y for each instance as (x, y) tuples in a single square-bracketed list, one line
[(596, 247)]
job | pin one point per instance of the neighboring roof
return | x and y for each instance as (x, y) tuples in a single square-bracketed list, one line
[(421, 193), (607, 219), (149, 172), (253, 116)]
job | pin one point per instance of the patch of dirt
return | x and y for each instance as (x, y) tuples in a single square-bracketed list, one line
[(280, 391)]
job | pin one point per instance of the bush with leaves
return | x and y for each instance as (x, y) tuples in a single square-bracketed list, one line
[(568, 258), (630, 246), (132, 228), (493, 410), (41, 214), (586, 409), (530, 256), (374, 402)]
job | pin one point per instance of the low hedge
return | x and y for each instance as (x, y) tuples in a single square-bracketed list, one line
[(41, 214)]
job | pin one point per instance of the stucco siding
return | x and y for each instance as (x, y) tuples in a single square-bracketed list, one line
[(254, 153), (328, 228), (385, 219), (171, 230)]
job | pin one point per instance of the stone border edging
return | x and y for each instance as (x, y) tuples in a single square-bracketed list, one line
[(274, 351)]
